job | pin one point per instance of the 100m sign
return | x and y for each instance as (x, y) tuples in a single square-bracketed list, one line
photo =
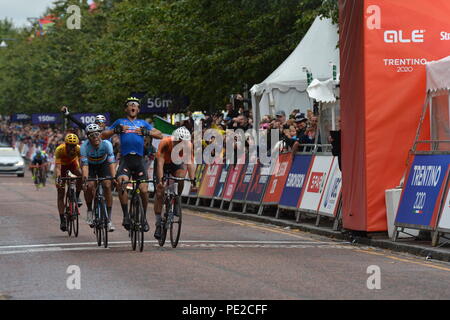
[(87, 119)]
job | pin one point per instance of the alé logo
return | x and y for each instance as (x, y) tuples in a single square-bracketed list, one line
[(373, 22)]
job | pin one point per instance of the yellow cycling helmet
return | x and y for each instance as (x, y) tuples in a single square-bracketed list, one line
[(71, 139)]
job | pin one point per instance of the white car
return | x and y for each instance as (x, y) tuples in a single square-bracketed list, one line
[(11, 162)]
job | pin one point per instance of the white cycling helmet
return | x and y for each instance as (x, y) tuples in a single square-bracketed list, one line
[(93, 128), (182, 134), (100, 118)]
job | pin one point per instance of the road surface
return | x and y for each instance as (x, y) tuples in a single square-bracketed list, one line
[(217, 258)]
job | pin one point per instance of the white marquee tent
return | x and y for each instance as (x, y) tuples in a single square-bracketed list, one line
[(285, 88), (438, 96)]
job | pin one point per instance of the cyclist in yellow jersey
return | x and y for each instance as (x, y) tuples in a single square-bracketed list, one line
[(67, 157)]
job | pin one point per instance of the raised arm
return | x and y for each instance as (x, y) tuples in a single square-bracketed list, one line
[(66, 112)]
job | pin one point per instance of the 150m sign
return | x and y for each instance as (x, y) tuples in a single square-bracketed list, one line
[(45, 118)]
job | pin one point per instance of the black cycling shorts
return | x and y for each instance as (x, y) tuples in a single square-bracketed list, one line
[(99, 170), (169, 168), (132, 165)]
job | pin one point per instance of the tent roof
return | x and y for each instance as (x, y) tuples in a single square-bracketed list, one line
[(316, 50), (438, 75)]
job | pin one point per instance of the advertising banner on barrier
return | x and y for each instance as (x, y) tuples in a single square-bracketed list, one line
[(218, 192), (198, 176), (232, 181), (278, 179), (244, 182), (423, 191), (330, 199), (46, 118), (211, 176), (320, 168), (444, 220), (295, 181), (258, 184), (88, 118)]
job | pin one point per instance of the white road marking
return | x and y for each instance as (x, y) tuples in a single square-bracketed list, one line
[(154, 241), (54, 247)]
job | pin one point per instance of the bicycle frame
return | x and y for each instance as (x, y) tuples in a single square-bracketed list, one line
[(71, 206), (136, 213), (172, 203), (100, 212)]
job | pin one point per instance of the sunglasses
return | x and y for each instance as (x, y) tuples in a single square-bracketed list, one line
[(94, 135), (99, 121), (133, 104)]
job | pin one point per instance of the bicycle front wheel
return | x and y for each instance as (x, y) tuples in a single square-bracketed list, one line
[(175, 225), (69, 213), (75, 221), (139, 221), (104, 224), (167, 208), (43, 177), (133, 232), (98, 228)]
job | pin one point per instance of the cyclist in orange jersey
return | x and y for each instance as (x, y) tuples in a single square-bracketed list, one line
[(165, 164)]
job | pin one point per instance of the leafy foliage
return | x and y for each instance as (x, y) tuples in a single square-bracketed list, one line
[(205, 49)]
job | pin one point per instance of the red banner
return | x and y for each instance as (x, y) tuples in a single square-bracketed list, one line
[(384, 45), (210, 178), (278, 179), (232, 181)]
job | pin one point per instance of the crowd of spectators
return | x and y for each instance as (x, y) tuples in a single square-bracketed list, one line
[(26, 137), (296, 130)]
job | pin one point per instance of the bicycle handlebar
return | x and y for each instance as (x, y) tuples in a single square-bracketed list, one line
[(137, 181), (31, 166), (101, 179), (69, 178), (177, 179)]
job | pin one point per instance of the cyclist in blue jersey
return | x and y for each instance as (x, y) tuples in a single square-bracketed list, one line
[(97, 160), (132, 132)]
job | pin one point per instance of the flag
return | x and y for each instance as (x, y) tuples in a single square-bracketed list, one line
[(164, 126)]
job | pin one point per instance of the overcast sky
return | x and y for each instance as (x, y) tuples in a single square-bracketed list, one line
[(20, 10)]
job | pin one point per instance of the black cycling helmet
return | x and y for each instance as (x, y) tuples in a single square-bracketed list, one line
[(133, 99)]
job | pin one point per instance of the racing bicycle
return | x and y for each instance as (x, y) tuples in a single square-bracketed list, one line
[(100, 214), (136, 214), (172, 218), (71, 211)]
